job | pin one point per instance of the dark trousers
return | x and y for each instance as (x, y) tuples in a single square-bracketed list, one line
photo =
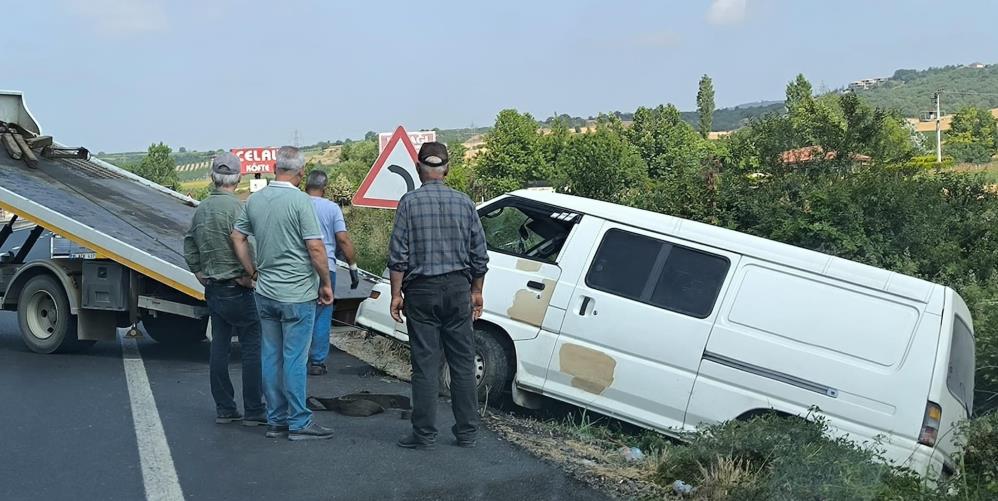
[(233, 312), (438, 315)]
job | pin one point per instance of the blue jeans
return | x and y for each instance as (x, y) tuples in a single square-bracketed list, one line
[(233, 312), (287, 333), (319, 351)]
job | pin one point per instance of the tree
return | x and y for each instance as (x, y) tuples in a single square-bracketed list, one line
[(705, 105), (461, 175), (556, 140), (371, 136), (973, 135), (512, 154), (799, 95), (159, 167), (601, 165), (664, 140), (182, 150)]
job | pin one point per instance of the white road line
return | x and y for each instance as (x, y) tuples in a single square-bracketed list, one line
[(158, 473)]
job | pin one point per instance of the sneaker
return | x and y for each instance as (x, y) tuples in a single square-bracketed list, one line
[(411, 442), (316, 369), (277, 430), (467, 443), (258, 420), (311, 432), (228, 417)]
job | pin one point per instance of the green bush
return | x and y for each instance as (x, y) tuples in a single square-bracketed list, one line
[(782, 458), (370, 230)]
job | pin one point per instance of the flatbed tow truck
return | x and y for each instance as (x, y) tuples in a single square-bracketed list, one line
[(133, 274)]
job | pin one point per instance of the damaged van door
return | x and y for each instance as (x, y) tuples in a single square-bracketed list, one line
[(524, 240), (637, 324)]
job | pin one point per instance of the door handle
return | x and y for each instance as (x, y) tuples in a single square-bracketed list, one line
[(585, 304), (535, 285)]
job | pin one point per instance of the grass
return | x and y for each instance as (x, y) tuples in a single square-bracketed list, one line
[(989, 170)]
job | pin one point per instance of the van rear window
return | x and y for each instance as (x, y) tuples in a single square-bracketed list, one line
[(960, 377)]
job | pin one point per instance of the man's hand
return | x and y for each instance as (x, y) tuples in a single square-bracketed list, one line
[(201, 278), (325, 294), (476, 305), (354, 276), (397, 309), (246, 282)]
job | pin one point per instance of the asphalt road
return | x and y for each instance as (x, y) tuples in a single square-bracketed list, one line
[(66, 432)]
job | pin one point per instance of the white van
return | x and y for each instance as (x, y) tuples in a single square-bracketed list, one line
[(668, 324)]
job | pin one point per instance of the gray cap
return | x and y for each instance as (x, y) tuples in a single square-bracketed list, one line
[(226, 163)]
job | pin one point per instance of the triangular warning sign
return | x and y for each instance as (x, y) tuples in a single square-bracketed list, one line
[(392, 175)]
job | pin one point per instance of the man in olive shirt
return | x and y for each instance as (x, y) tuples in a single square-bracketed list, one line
[(292, 272), (228, 291)]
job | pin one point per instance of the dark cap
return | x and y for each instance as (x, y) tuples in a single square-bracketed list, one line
[(433, 154), (226, 163)]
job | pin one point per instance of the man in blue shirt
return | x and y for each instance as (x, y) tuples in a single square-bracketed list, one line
[(334, 232)]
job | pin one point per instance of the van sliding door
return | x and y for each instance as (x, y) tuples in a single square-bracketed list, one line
[(637, 324)]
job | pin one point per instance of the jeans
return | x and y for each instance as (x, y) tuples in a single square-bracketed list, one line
[(287, 333), (438, 314), (319, 351), (233, 312)]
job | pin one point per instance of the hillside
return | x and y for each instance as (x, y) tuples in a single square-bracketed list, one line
[(910, 91)]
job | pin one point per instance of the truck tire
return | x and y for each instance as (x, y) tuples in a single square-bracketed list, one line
[(43, 314), (174, 329), (493, 368)]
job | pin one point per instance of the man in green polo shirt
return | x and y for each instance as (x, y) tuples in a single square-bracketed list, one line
[(228, 290), (292, 272)]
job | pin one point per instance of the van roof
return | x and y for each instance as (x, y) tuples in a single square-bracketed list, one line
[(742, 243)]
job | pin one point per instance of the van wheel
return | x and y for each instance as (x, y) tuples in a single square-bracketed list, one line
[(492, 368), (43, 315), (175, 329)]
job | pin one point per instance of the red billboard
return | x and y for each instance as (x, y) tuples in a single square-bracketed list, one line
[(256, 160)]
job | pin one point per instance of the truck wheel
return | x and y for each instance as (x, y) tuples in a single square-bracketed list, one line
[(174, 329), (47, 325), (492, 368)]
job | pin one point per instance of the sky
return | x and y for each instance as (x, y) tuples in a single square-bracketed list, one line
[(118, 75)]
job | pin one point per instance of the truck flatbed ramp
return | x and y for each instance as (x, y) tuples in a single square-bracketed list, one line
[(124, 219)]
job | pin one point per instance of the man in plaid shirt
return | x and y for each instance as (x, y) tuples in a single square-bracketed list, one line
[(438, 259)]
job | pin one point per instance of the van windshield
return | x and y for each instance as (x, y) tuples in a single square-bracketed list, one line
[(960, 378)]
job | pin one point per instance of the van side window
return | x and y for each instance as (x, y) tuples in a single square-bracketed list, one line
[(659, 273), (525, 230), (960, 376)]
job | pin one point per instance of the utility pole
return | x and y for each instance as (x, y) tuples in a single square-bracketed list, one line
[(939, 131)]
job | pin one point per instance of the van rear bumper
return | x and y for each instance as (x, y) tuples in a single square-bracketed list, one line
[(931, 463)]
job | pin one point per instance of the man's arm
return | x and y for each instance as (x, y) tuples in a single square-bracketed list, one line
[(240, 245), (396, 278), (311, 232), (193, 256), (479, 263), (345, 244), (398, 257), (320, 263)]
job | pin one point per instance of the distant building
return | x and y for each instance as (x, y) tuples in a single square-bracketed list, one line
[(809, 154), (977, 66), (866, 83)]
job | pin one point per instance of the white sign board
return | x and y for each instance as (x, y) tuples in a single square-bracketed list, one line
[(416, 138)]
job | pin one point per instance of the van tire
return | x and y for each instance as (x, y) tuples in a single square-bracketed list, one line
[(174, 329), (492, 368), (44, 317)]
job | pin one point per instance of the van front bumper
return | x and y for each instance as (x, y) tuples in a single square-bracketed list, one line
[(374, 313)]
